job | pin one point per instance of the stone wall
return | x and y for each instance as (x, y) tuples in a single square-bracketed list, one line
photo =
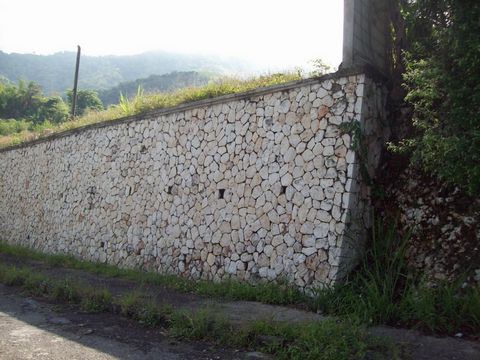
[(261, 185)]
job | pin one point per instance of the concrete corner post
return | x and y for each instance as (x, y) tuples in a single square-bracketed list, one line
[(366, 34)]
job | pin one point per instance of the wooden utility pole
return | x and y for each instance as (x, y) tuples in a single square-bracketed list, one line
[(75, 83)]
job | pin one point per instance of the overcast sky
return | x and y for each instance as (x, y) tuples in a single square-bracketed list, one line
[(277, 33)]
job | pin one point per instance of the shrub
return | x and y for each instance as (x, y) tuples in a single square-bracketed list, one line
[(443, 84)]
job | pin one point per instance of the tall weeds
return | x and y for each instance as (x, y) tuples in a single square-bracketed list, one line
[(384, 290)]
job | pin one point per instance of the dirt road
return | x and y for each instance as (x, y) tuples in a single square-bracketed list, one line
[(33, 329)]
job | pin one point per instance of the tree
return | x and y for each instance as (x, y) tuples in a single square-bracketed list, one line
[(53, 109), (20, 102), (86, 100), (28, 106), (443, 82)]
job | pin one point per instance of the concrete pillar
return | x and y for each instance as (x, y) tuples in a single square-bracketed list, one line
[(366, 33)]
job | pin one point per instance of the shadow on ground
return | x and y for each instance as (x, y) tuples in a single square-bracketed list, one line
[(35, 329), (125, 339)]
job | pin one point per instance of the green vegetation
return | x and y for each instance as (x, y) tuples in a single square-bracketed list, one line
[(443, 83), (218, 88), (155, 83), (40, 285), (95, 300), (144, 103), (382, 290), (87, 100), (371, 292), (280, 294), (12, 126), (29, 107), (137, 306), (25, 110), (329, 339)]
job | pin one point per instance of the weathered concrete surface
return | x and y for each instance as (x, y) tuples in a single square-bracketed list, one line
[(366, 37)]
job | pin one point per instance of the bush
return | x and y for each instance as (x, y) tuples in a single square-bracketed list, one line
[(446, 308), (86, 100), (12, 126), (95, 300), (53, 109), (370, 293), (443, 83)]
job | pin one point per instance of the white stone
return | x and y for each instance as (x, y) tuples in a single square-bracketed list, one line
[(328, 151), (290, 155), (309, 251), (287, 179), (321, 230), (307, 155), (307, 228), (316, 192), (248, 188)]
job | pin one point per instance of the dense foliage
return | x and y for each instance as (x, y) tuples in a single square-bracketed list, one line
[(25, 107), (384, 289), (86, 100), (443, 83)]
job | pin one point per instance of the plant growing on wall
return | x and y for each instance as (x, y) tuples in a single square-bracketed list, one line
[(129, 107)]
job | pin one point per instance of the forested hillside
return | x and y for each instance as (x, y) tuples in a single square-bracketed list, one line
[(54, 73)]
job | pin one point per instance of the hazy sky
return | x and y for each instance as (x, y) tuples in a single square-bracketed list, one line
[(267, 32)]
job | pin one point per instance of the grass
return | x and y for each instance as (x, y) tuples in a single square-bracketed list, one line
[(95, 300), (145, 103), (382, 290), (322, 340), (269, 293), (446, 308), (143, 309), (371, 292), (205, 324), (329, 339)]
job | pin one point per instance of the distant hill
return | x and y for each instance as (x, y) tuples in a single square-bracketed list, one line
[(55, 72), (154, 83)]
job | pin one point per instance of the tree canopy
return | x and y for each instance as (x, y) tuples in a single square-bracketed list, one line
[(25, 107), (86, 100), (27, 102), (442, 78)]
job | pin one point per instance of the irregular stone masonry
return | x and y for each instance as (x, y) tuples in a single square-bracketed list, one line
[(262, 185)]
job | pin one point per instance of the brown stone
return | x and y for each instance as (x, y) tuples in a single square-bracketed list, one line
[(312, 262), (323, 111)]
